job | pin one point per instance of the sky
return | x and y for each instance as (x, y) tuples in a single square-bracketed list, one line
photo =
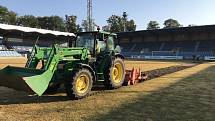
[(197, 12)]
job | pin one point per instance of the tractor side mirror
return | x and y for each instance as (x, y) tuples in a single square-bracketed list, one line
[(117, 49)]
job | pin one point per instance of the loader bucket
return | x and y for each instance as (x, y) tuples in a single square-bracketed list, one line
[(25, 79)]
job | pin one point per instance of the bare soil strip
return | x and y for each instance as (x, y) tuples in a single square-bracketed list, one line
[(151, 75)]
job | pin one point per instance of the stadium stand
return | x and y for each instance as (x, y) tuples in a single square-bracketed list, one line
[(182, 46), (1, 47), (126, 47), (9, 54), (207, 45), (16, 41), (22, 48), (196, 42), (148, 47)]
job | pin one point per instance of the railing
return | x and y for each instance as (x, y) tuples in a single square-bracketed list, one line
[(168, 55)]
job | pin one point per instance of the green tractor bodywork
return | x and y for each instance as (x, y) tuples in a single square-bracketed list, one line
[(93, 52)]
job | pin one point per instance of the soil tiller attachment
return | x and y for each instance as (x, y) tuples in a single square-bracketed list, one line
[(134, 76)]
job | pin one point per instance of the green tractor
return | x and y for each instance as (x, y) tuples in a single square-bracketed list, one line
[(91, 58)]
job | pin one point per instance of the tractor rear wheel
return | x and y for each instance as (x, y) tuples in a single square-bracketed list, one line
[(79, 84), (115, 74)]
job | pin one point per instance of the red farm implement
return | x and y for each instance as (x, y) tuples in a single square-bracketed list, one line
[(134, 76)]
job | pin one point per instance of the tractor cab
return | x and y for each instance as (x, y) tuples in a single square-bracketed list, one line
[(96, 42)]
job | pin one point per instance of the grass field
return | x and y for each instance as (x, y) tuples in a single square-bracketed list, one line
[(185, 95), (144, 65)]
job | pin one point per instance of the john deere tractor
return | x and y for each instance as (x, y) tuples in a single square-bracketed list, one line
[(91, 58)]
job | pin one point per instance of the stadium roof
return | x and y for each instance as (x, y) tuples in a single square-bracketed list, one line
[(5, 29), (191, 29)]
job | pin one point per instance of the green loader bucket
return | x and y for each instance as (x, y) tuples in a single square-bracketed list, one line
[(25, 79)]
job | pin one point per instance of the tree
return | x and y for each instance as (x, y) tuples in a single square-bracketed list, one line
[(171, 23), (85, 25), (51, 23), (3, 13), (71, 24), (131, 26), (28, 21), (120, 23), (57, 23), (6, 16), (79, 29), (153, 25), (12, 18), (43, 22), (3, 10), (116, 23)]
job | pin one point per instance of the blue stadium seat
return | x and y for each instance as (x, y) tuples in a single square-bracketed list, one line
[(126, 47), (207, 45), (185, 46), (9, 54), (147, 46)]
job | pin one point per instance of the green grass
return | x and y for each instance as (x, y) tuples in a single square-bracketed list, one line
[(192, 98)]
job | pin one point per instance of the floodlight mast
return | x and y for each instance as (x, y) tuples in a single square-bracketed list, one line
[(125, 15), (89, 16)]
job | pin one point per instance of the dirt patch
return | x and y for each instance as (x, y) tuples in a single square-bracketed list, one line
[(12, 61), (152, 65)]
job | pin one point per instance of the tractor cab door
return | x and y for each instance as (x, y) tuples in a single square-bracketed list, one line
[(100, 43), (105, 43)]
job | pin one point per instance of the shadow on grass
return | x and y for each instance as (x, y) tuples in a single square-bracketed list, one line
[(192, 98), (26, 99), (15, 97)]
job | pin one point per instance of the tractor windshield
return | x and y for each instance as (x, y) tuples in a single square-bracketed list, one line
[(85, 40)]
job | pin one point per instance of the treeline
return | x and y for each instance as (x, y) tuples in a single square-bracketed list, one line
[(169, 23), (68, 24), (115, 23), (44, 22)]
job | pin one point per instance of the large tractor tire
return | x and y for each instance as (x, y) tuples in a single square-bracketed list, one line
[(114, 74), (79, 84)]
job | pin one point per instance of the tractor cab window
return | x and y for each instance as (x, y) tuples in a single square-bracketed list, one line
[(110, 43), (85, 40)]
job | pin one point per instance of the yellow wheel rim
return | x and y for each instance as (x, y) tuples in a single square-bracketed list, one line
[(117, 73), (82, 83)]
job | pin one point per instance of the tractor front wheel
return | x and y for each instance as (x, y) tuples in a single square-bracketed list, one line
[(79, 84)]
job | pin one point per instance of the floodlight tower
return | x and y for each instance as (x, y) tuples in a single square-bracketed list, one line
[(125, 15), (89, 15)]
